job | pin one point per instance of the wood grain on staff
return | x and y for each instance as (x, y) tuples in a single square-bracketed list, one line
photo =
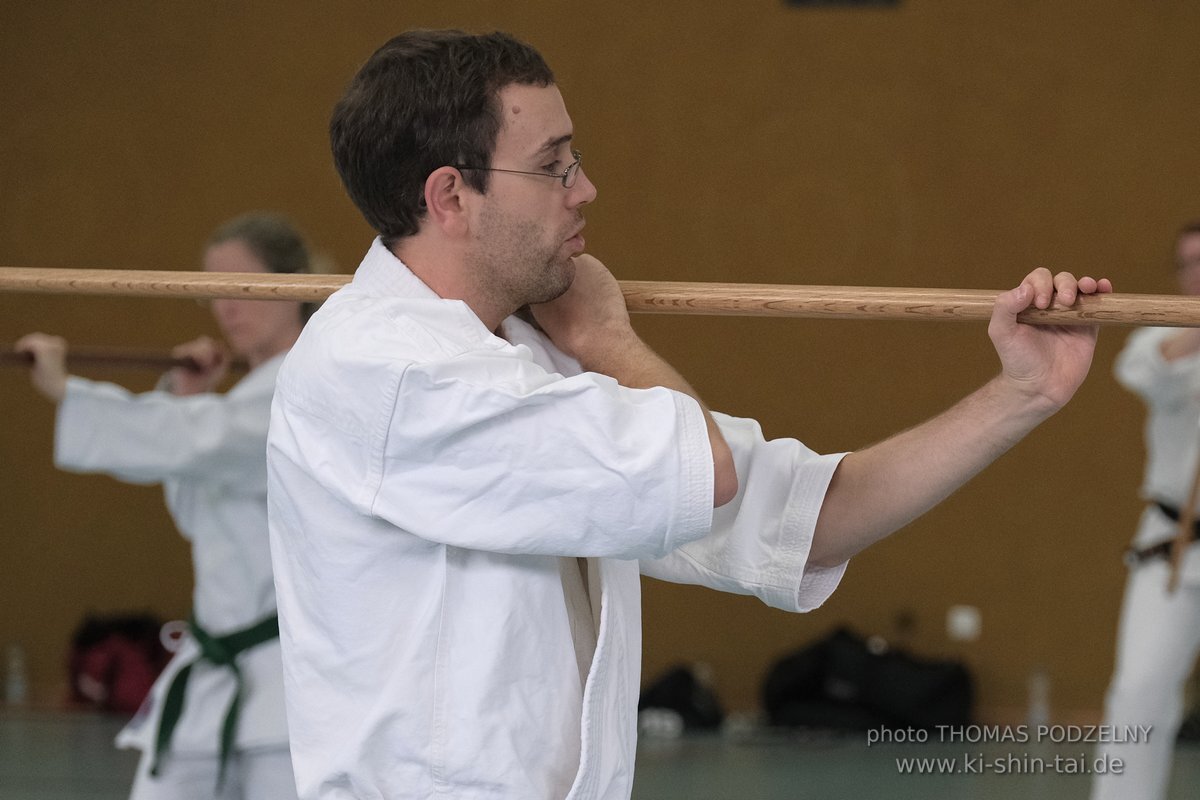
[(651, 297)]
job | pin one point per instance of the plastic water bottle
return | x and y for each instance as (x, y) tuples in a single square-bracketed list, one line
[(16, 681), (1039, 698)]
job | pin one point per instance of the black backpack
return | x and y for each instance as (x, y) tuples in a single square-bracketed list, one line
[(839, 684), (679, 690)]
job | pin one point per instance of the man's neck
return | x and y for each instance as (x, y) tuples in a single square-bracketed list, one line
[(446, 273)]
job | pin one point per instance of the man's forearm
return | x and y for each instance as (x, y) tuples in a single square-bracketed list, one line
[(882, 488)]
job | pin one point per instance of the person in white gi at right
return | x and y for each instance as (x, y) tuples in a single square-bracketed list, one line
[(1158, 636)]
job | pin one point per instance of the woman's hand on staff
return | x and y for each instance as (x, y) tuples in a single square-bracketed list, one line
[(211, 360), (1046, 363), (49, 371)]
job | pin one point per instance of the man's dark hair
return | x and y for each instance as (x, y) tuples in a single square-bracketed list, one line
[(424, 100)]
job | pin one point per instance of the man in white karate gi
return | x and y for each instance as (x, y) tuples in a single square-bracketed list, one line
[(461, 504)]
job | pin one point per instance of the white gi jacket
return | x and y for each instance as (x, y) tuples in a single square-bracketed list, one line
[(209, 452), (430, 485), (1171, 391)]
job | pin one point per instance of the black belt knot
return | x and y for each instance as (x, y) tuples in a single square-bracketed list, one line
[(1135, 556)]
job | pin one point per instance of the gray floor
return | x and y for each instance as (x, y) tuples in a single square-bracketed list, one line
[(69, 756), (773, 767)]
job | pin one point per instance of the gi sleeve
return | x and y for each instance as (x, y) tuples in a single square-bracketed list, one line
[(1141, 369), (760, 541), (494, 453), (156, 436)]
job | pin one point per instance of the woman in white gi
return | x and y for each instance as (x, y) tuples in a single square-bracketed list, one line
[(214, 723), (1159, 633)]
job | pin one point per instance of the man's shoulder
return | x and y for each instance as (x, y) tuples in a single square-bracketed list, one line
[(368, 342), (399, 327)]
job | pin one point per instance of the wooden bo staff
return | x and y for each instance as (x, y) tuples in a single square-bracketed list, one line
[(652, 297)]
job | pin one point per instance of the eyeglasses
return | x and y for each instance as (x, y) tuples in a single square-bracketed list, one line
[(567, 176)]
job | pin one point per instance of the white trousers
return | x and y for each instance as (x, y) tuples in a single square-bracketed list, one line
[(1157, 642), (260, 774)]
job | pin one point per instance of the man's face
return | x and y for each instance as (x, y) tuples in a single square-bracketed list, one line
[(1187, 260), (527, 227)]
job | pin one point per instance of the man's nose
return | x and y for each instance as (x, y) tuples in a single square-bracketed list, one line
[(584, 191)]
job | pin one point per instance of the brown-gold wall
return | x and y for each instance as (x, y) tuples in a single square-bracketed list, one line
[(946, 144)]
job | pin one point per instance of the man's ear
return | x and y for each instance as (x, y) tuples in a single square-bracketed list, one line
[(445, 200)]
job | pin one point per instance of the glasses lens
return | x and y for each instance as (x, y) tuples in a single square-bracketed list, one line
[(573, 170)]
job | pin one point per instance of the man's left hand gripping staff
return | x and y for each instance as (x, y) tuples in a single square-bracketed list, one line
[(880, 489), (1046, 362)]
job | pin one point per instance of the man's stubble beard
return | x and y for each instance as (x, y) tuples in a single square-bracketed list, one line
[(514, 267)]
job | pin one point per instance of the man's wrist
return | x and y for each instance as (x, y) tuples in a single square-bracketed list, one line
[(1021, 399)]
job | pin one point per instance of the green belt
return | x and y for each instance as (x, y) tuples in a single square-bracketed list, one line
[(222, 651)]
